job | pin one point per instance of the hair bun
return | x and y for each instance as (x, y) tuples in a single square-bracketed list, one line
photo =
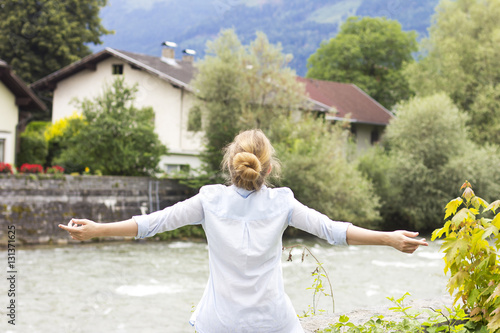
[(247, 166)]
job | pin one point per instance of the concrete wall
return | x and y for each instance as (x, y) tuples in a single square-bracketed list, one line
[(9, 114), (36, 205)]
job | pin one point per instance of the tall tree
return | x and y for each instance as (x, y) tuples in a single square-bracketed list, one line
[(369, 52), (241, 87), (39, 37), (460, 58)]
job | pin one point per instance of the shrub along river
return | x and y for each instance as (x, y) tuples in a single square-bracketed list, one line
[(154, 286)]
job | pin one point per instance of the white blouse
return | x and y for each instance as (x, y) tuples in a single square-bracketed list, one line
[(245, 291)]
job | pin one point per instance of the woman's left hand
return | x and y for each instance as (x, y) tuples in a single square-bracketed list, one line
[(81, 229), (405, 241)]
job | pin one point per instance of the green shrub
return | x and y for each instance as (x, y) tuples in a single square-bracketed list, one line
[(315, 167), (427, 152), (33, 149), (471, 248)]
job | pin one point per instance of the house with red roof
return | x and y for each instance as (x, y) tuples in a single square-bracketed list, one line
[(17, 103), (347, 102), (164, 84)]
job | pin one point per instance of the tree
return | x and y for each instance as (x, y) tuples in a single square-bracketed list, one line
[(316, 168), (428, 155), (251, 87), (118, 138), (40, 37), (460, 58), (241, 87), (369, 52)]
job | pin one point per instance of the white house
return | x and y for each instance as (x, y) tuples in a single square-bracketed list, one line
[(163, 84), (16, 103)]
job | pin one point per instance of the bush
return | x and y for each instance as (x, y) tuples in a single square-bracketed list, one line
[(54, 170), (33, 149), (6, 168), (315, 167), (31, 168), (427, 152), (59, 136)]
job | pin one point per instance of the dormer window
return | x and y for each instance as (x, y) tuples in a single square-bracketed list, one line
[(117, 69)]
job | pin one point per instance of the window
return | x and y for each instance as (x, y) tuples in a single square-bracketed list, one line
[(117, 69), (375, 137), (176, 168), (2, 150)]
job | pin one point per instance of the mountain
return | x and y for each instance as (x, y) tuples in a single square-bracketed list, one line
[(298, 25)]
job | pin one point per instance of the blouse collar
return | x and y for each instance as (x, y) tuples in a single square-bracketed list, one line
[(243, 192)]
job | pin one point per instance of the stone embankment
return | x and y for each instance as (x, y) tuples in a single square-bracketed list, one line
[(35, 205), (360, 316)]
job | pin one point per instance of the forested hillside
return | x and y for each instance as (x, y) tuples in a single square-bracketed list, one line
[(299, 25)]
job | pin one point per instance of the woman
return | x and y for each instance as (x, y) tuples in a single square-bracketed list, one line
[(244, 223)]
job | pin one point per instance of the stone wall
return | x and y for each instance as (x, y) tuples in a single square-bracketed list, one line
[(35, 205)]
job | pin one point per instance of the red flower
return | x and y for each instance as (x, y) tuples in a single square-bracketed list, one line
[(5, 168), (31, 168)]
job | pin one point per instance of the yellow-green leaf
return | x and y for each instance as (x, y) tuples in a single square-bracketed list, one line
[(439, 232), (462, 215), (468, 193), (495, 294), (478, 202), (492, 229), (493, 206), (474, 211), (496, 221), (452, 206)]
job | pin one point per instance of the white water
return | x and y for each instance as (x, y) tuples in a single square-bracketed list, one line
[(153, 286)]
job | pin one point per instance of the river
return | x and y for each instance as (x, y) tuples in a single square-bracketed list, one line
[(153, 286)]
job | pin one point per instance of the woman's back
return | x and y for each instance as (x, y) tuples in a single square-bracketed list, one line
[(245, 288)]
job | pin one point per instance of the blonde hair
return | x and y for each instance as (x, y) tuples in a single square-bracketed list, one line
[(249, 159)]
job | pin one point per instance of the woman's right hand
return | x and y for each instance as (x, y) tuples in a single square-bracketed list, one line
[(81, 229)]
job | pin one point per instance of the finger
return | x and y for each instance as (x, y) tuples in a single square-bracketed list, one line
[(80, 221), (411, 234), (64, 227)]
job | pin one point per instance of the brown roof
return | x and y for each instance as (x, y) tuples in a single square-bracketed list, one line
[(347, 99), (25, 97), (176, 72)]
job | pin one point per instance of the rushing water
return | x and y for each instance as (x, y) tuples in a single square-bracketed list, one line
[(153, 286)]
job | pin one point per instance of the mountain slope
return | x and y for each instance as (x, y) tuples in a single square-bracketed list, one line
[(299, 25)]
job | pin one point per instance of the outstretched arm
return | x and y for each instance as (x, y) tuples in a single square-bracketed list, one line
[(82, 229), (401, 240)]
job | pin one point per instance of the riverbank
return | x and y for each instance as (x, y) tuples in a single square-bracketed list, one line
[(360, 316)]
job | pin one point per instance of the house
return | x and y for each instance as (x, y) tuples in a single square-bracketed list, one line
[(17, 102), (164, 85), (347, 102), (162, 82)]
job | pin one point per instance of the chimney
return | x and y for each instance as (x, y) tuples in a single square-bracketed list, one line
[(168, 51), (188, 55)]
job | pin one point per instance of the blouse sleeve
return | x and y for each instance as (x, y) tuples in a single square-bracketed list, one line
[(183, 213), (313, 222)]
